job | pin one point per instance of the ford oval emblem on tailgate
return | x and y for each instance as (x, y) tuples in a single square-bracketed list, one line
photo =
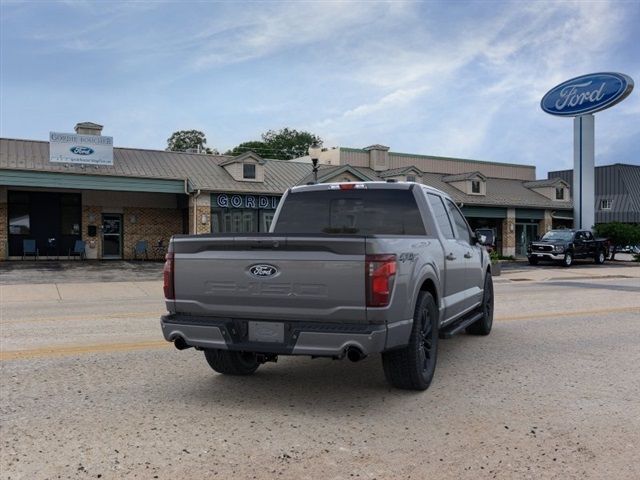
[(263, 270)]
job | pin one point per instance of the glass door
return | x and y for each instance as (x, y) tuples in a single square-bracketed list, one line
[(525, 233), (111, 235)]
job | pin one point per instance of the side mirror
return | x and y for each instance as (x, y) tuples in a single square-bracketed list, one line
[(481, 239)]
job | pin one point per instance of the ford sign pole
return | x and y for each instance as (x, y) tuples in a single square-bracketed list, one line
[(584, 216), (580, 97)]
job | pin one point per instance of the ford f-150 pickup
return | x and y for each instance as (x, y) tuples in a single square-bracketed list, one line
[(564, 246), (347, 270)]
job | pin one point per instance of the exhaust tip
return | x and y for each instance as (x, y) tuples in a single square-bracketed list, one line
[(180, 344), (355, 354)]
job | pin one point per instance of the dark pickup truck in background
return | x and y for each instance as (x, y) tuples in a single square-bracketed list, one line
[(564, 246)]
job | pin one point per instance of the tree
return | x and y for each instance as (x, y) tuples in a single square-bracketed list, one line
[(255, 146), (183, 140), (283, 144), (289, 143), (620, 234)]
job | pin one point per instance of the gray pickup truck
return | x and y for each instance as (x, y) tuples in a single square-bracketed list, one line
[(347, 270)]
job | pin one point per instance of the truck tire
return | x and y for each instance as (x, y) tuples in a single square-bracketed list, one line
[(568, 259), (412, 367), (483, 326), (600, 257), (231, 363)]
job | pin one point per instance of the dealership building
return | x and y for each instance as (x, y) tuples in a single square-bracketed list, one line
[(80, 188)]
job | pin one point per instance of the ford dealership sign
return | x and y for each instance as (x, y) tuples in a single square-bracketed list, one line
[(80, 149), (587, 94)]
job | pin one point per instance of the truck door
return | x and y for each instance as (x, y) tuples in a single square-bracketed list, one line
[(454, 260), (474, 275), (580, 247)]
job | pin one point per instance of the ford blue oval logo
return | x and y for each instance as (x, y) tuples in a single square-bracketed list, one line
[(81, 150), (587, 94), (263, 270)]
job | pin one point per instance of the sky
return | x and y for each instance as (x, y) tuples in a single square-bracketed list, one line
[(451, 78)]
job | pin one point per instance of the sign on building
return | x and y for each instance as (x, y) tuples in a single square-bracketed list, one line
[(80, 149), (224, 200)]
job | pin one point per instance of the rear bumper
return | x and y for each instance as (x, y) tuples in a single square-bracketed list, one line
[(298, 338)]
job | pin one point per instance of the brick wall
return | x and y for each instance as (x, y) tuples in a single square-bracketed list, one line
[(546, 223), (151, 224), (91, 215), (509, 233), (202, 207), (4, 233)]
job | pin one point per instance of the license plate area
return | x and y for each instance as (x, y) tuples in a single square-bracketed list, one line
[(269, 332)]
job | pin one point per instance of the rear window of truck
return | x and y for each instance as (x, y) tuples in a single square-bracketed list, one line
[(357, 212)]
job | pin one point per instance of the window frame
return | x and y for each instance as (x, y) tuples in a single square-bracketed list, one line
[(606, 201), (437, 197), (244, 171), (559, 193), (479, 184), (452, 210)]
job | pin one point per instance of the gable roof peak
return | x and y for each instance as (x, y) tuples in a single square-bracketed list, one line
[(249, 154)]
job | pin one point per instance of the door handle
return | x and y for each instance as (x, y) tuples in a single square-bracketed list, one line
[(467, 255), (451, 256)]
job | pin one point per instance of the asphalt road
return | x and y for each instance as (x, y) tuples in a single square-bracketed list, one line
[(90, 390)]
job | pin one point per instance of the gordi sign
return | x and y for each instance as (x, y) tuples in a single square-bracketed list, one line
[(80, 149), (587, 94), (580, 97)]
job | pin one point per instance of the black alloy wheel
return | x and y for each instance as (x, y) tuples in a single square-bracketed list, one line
[(412, 367)]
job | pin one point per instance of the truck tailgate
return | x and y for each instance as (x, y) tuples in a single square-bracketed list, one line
[(272, 277)]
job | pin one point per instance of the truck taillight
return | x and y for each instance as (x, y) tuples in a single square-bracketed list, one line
[(380, 273), (167, 275)]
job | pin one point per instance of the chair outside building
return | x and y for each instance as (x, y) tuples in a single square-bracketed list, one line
[(29, 248), (142, 247), (79, 250)]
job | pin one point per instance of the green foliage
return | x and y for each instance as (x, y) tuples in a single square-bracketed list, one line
[(183, 140), (255, 146), (283, 144), (619, 234), (494, 257)]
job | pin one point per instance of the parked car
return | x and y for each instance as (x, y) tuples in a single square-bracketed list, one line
[(564, 246), (347, 270)]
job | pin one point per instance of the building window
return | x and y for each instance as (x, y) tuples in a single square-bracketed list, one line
[(605, 204), (559, 193), (19, 219), (475, 186), (411, 178), (249, 170)]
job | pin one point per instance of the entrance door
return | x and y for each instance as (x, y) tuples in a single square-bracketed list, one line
[(525, 233), (111, 235)]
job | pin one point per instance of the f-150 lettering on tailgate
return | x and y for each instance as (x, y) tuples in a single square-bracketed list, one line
[(266, 289)]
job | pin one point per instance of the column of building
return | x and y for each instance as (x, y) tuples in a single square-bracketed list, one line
[(200, 213), (509, 233)]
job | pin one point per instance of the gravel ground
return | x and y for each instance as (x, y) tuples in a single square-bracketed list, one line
[(551, 393)]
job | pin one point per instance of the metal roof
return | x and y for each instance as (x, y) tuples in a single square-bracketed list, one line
[(399, 171), (500, 191), (547, 182), (202, 171), (618, 183), (463, 176)]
